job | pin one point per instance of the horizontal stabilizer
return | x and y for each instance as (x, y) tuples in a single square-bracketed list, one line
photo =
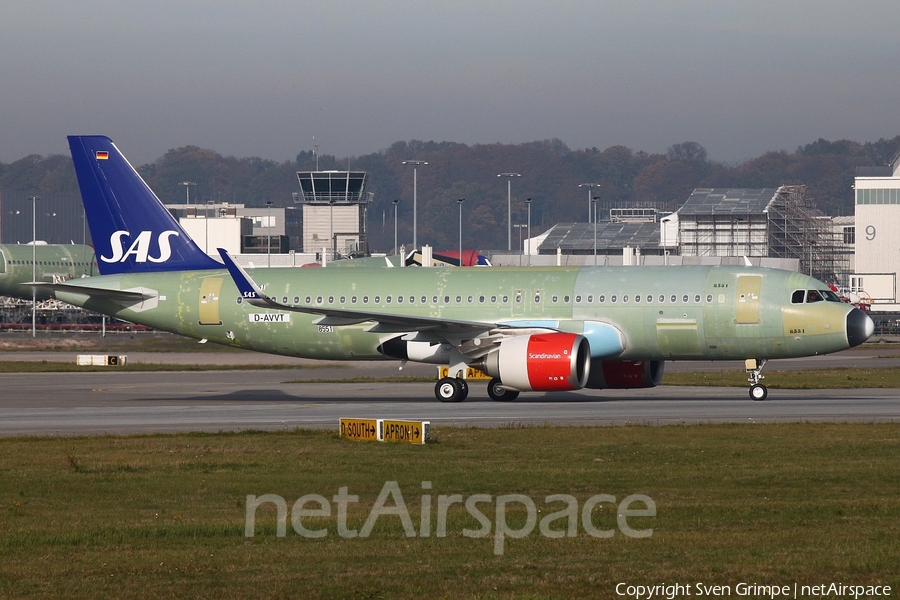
[(95, 292)]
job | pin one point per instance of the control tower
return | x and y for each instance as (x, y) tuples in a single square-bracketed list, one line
[(334, 212)]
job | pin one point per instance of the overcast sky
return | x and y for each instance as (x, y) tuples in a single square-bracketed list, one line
[(262, 78)]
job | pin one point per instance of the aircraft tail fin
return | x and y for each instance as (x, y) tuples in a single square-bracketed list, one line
[(131, 229)]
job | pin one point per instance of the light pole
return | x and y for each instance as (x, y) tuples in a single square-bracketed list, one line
[(269, 233), (528, 239), (519, 226), (460, 201), (331, 243), (396, 250), (34, 200), (590, 194), (415, 165), (665, 225), (509, 207), (208, 206), (187, 190), (594, 201)]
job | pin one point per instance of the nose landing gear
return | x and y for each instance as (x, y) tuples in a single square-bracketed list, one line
[(754, 366)]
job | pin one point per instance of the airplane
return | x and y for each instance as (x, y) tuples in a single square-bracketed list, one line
[(529, 328), (53, 263)]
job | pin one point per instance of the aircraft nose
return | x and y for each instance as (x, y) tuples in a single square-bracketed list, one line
[(859, 327)]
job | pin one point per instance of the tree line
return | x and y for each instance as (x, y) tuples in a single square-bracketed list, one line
[(550, 175)]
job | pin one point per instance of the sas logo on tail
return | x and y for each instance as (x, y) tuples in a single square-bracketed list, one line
[(140, 247)]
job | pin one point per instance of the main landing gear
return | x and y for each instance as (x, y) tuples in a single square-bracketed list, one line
[(455, 389), (758, 391), (451, 389), (500, 394)]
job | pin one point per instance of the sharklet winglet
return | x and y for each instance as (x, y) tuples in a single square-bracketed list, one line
[(245, 284)]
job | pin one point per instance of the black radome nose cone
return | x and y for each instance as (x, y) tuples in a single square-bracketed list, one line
[(859, 327)]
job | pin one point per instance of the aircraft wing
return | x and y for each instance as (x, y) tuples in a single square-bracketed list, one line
[(384, 322)]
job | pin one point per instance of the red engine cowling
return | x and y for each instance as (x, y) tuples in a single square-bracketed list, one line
[(541, 362), (625, 374)]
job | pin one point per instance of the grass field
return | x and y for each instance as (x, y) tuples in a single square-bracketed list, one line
[(164, 515)]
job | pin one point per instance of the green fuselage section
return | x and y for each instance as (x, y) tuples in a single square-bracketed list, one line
[(662, 313), (20, 263)]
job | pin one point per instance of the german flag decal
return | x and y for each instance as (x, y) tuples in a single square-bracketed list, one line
[(102, 155)]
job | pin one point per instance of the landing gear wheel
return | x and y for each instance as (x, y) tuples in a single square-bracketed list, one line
[(499, 394), (451, 389), (758, 392), (754, 367)]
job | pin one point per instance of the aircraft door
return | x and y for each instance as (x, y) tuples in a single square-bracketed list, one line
[(210, 288), (537, 306), (518, 303), (747, 302)]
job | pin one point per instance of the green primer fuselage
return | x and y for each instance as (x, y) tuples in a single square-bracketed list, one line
[(663, 313), (52, 263)]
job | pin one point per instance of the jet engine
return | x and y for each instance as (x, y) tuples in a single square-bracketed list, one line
[(541, 362), (625, 374)]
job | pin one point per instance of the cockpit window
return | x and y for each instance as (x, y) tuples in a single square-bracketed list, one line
[(798, 296), (830, 296), (813, 296)]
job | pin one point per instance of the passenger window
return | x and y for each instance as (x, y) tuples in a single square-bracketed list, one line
[(412, 299), (470, 299), (458, 299), (684, 298), (613, 298), (625, 298), (365, 299), (330, 299), (319, 300), (537, 298), (434, 299), (446, 299), (602, 298), (566, 299), (505, 299), (399, 299), (590, 299), (709, 298), (674, 298), (577, 299), (296, 299), (637, 297), (377, 299), (308, 300), (518, 298), (797, 296), (554, 298), (343, 299), (388, 299), (493, 299), (697, 298), (352, 299), (480, 299)]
